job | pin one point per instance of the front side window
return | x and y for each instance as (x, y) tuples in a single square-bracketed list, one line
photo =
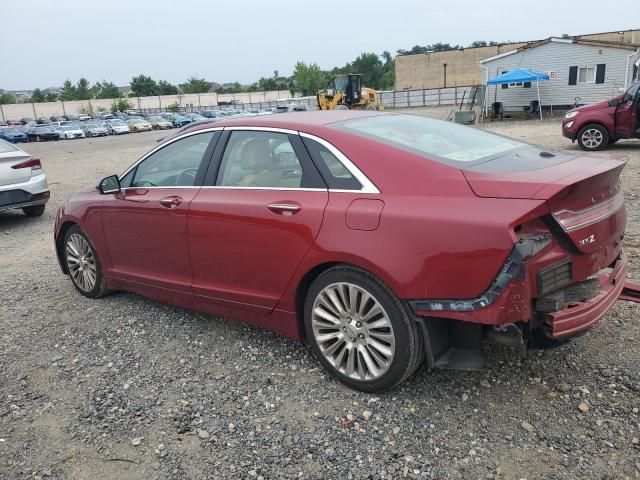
[(261, 160), (587, 74), (175, 165)]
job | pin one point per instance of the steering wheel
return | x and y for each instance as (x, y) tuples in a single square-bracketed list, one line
[(144, 183), (185, 178), (285, 158)]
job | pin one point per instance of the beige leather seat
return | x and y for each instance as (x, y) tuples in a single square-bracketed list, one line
[(257, 162)]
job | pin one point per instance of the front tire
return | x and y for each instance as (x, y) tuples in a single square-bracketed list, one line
[(342, 106), (34, 210), (360, 331), (593, 137), (83, 264)]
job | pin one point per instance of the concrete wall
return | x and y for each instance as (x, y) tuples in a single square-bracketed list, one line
[(414, 72), (558, 57), (631, 37), (17, 111)]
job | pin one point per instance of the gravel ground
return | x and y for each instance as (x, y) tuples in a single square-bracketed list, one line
[(128, 388)]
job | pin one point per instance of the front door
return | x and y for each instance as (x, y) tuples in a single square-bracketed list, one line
[(252, 227), (627, 112), (145, 225)]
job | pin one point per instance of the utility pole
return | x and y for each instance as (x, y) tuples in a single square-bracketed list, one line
[(445, 75)]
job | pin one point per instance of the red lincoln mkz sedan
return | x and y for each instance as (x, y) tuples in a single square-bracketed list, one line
[(383, 239)]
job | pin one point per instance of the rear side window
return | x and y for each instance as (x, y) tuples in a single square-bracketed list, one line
[(333, 171)]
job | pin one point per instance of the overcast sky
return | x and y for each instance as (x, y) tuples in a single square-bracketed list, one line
[(43, 42)]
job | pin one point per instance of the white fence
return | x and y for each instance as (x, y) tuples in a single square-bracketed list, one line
[(249, 100)]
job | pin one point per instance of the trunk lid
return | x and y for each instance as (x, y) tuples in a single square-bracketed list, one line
[(582, 192), (11, 155)]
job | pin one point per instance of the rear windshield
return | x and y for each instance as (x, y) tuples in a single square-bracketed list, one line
[(444, 141)]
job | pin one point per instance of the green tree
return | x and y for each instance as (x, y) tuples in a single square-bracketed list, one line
[(50, 97), (68, 91), (143, 86), (195, 85), (7, 98), (173, 107), (83, 92), (106, 89), (478, 43), (120, 105), (308, 79), (37, 96), (166, 88)]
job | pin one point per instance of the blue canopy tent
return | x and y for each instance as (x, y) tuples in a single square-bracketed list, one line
[(520, 75)]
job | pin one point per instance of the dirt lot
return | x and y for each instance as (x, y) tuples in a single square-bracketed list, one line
[(128, 388)]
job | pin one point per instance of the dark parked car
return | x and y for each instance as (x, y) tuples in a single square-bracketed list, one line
[(40, 133), (383, 239), (12, 134), (176, 119)]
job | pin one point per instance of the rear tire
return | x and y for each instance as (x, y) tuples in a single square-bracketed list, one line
[(370, 106), (593, 137), (34, 210), (360, 331), (83, 264)]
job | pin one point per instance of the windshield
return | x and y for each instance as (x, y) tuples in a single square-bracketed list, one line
[(340, 83), (431, 138), (631, 93), (10, 130)]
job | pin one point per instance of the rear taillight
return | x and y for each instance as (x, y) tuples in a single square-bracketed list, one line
[(33, 164), (571, 220)]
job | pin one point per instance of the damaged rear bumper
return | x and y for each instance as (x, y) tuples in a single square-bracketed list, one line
[(575, 318)]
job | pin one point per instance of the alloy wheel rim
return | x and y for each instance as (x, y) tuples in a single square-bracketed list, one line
[(592, 138), (353, 331), (81, 262)]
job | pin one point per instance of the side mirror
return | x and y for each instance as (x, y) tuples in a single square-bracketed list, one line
[(109, 184)]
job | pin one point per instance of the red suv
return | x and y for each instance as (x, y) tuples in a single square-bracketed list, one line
[(600, 124)]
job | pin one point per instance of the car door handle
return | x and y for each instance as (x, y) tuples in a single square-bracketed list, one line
[(285, 209), (171, 202)]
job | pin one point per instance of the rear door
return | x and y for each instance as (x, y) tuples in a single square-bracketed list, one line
[(255, 219)]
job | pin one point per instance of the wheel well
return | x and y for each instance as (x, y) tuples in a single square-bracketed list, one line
[(60, 243), (303, 288), (594, 123)]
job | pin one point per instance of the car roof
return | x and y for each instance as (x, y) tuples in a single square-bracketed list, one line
[(302, 121)]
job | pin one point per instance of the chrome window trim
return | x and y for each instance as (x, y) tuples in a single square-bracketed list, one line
[(209, 187), (168, 142), (264, 129), (367, 185)]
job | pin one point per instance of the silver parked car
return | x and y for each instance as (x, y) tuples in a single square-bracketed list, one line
[(94, 129), (23, 183)]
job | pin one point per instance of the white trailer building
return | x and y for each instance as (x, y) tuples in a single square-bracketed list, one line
[(590, 70)]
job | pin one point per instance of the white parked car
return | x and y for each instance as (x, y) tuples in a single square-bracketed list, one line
[(23, 183), (116, 126), (68, 132)]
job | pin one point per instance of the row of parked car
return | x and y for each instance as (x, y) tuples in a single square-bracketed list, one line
[(103, 124)]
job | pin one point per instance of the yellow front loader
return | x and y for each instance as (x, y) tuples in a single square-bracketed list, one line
[(345, 92)]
